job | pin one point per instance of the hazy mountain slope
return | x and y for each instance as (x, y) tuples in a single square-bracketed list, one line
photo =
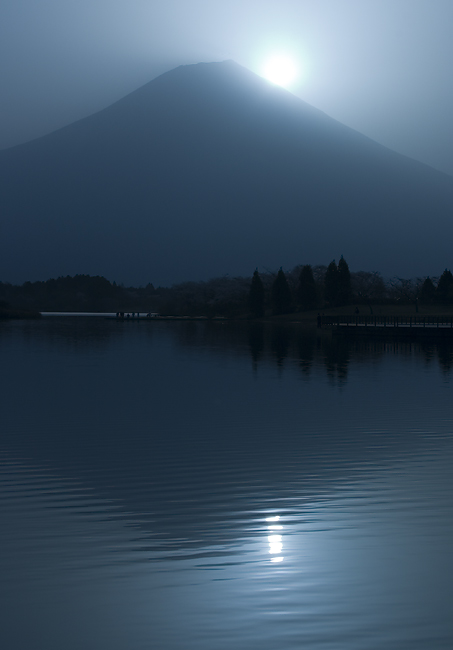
[(209, 170)]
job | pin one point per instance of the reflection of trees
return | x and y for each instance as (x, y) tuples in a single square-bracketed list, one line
[(336, 357), (306, 344), (256, 342), (260, 341), (280, 340), (427, 351), (142, 453), (445, 356)]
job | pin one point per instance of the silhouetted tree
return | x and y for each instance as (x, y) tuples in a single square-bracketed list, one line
[(331, 283), (307, 294), (444, 292), (256, 296), (281, 294), (427, 292), (344, 283), (367, 287), (402, 290)]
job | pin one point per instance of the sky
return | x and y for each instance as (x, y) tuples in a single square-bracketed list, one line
[(382, 67)]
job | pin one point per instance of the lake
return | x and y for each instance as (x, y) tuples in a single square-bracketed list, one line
[(209, 485)]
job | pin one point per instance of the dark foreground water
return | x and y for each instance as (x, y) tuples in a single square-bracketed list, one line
[(195, 486)]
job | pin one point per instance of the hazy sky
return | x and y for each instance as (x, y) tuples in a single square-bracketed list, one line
[(383, 67)]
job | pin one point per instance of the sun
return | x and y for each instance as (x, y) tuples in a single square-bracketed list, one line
[(281, 70)]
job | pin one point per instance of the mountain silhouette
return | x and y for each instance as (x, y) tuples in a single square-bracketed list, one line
[(210, 169)]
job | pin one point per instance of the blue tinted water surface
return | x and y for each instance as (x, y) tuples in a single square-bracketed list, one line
[(217, 486)]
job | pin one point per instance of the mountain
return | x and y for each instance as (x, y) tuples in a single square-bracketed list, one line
[(208, 170)]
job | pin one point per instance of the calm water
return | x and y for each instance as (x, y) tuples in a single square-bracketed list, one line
[(212, 486)]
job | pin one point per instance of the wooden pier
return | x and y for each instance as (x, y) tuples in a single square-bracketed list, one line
[(403, 326)]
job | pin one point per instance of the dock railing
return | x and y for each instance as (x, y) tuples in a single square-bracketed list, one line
[(371, 321)]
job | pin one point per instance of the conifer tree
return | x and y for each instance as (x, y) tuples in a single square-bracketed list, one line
[(307, 295), (256, 296), (344, 283), (445, 287), (281, 294), (331, 283), (427, 292)]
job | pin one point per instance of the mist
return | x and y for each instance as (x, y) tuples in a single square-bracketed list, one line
[(382, 68)]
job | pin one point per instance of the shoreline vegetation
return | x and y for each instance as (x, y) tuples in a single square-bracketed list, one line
[(17, 314), (298, 295)]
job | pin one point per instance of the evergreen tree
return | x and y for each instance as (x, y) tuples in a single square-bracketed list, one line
[(344, 283), (427, 292), (331, 283), (281, 294), (445, 287), (307, 295), (256, 296)]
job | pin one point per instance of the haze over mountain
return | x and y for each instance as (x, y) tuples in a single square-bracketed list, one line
[(209, 170)]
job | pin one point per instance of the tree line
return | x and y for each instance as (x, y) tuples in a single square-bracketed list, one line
[(77, 293), (336, 286), (303, 288), (333, 288)]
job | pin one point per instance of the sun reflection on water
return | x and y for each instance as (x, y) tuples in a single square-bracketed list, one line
[(275, 539)]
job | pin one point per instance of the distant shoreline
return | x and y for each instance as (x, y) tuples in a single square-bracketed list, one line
[(296, 317), (19, 314)]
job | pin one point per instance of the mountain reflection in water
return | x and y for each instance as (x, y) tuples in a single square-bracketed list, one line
[(210, 485)]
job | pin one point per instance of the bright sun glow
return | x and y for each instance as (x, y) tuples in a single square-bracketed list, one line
[(281, 70)]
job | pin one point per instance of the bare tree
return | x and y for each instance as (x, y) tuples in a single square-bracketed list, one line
[(368, 287)]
